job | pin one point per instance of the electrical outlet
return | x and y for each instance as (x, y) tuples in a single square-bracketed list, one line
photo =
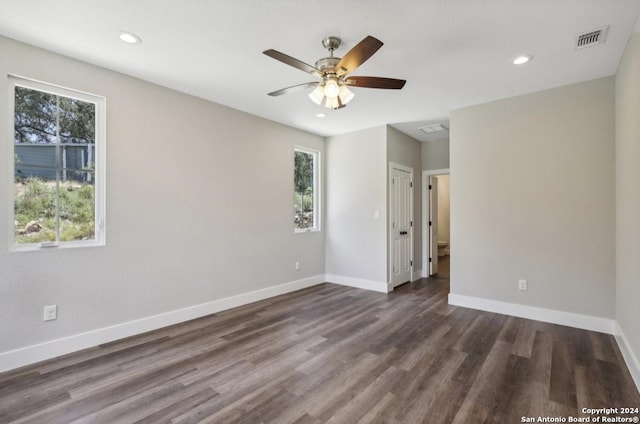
[(297, 266), (522, 285), (50, 312)]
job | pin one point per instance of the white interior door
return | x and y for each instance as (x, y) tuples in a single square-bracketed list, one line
[(401, 224), (433, 225)]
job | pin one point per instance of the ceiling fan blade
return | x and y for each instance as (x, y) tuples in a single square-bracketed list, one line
[(292, 61), (294, 88), (375, 82), (358, 55)]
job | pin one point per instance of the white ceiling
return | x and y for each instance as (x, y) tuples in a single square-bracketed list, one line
[(452, 53)]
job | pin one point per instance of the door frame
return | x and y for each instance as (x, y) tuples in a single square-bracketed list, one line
[(426, 245), (390, 250)]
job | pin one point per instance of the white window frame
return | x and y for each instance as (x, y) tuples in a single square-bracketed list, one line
[(100, 163), (316, 189)]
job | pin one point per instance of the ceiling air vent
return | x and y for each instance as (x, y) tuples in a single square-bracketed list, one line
[(591, 38), (433, 128)]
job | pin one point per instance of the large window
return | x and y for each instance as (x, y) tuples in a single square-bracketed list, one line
[(58, 171), (306, 190)]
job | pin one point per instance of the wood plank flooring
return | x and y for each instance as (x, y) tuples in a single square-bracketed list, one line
[(331, 354)]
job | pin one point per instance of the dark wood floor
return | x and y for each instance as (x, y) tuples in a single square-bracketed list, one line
[(330, 354)]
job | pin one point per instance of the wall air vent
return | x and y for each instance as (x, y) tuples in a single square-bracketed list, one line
[(591, 38)]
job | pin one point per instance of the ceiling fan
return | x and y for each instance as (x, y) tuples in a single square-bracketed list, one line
[(334, 71)]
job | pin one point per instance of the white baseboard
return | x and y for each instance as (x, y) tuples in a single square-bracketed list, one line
[(585, 322), (50, 349), (629, 356), (379, 286), (569, 319)]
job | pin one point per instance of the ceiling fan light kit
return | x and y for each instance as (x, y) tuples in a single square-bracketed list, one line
[(317, 95), (345, 94), (334, 73)]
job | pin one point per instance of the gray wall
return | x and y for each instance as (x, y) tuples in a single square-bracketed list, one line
[(628, 194), (435, 154), (405, 150), (181, 229), (532, 198), (356, 188)]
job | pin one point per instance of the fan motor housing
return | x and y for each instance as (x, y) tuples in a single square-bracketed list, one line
[(327, 63)]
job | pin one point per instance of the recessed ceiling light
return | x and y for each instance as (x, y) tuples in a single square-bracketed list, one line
[(521, 60), (320, 115), (129, 37)]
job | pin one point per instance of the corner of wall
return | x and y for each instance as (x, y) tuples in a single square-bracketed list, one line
[(632, 361), (627, 199)]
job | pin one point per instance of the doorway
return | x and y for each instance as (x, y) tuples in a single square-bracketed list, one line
[(436, 246), (400, 224)]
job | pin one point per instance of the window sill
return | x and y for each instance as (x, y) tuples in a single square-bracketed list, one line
[(306, 230), (52, 246)]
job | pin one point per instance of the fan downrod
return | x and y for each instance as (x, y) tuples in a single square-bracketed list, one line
[(327, 64)]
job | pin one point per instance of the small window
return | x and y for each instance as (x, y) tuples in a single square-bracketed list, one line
[(58, 166), (306, 190)]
